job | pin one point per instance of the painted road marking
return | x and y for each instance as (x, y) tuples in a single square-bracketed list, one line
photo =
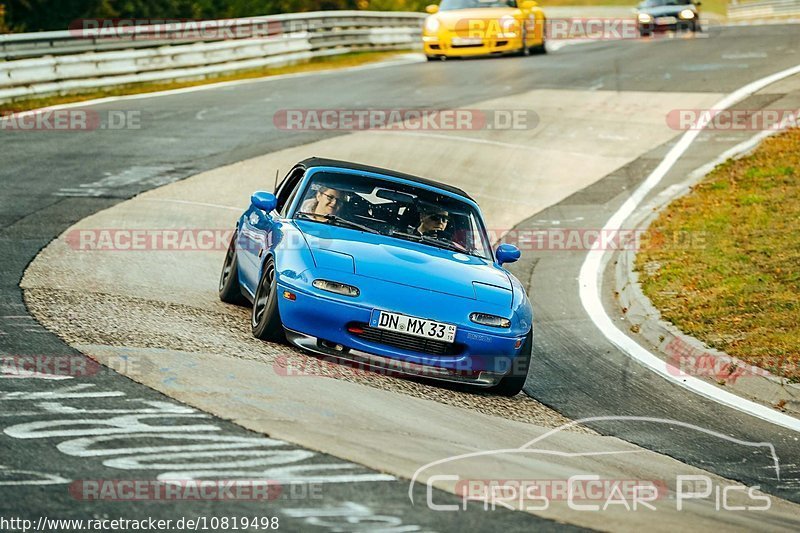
[(189, 202), (194, 449), (155, 175), (28, 477)]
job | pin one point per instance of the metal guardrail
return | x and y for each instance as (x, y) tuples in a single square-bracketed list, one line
[(764, 9), (74, 60)]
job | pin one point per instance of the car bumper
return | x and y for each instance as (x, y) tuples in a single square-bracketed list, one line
[(679, 25), (318, 324), (443, 46), (389, 365)]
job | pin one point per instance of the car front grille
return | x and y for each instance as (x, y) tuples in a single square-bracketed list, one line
[(405, 341)]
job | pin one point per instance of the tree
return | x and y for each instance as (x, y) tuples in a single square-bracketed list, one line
[(40, 15)]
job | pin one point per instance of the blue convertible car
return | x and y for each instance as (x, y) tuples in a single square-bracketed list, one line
[(382, 269)]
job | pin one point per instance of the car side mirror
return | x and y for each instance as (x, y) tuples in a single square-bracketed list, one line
[(507, 253), (263, 200), (432, 9), (528, 4)]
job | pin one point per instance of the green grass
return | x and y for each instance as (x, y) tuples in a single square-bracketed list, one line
[(345, 60), (736, 286)]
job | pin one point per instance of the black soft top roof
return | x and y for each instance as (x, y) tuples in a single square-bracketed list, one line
[(323, 162)]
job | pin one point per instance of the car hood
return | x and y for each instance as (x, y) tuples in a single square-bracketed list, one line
[(406, 263), (449, 19), (666, 11)]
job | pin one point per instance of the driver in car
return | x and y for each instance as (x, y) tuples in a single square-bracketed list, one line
[(326, 201), (432, 220)]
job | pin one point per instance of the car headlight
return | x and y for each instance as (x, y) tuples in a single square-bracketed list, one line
[(490, 320), (336, 287), (644, 18), (686, 14), (432, 24)]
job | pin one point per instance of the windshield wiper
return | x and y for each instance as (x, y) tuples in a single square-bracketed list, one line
[(338, 220), (441, 243)]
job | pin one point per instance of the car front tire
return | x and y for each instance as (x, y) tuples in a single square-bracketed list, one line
[(265, 318), (512, 384), (542, 48), (525, 50), (229, 289)]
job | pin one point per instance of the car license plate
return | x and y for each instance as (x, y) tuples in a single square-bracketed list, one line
[(419, 327), (463, 41), (665, 21)]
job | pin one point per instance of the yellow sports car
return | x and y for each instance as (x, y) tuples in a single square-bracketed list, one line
[(461, 28)]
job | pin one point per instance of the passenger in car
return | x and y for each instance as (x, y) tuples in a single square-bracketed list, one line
[(432, 220)]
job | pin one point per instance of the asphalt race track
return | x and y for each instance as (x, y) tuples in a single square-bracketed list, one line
[(51, 180)]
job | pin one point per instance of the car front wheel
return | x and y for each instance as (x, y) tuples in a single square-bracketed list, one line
[(542, 48), (229, 290), (512, 384), (265, 319), (525, 50)]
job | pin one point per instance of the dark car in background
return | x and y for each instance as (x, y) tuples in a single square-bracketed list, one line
[(668, 15)]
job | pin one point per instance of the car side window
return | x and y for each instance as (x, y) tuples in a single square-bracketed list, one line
[(288, 190)]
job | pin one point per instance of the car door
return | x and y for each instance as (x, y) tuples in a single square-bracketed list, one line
[(258, 231)]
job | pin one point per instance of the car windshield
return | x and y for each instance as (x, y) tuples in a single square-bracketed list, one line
[(395, 210), (448, 5), (658, 3)]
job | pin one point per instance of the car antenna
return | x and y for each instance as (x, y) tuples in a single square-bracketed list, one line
[(277, 171)]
